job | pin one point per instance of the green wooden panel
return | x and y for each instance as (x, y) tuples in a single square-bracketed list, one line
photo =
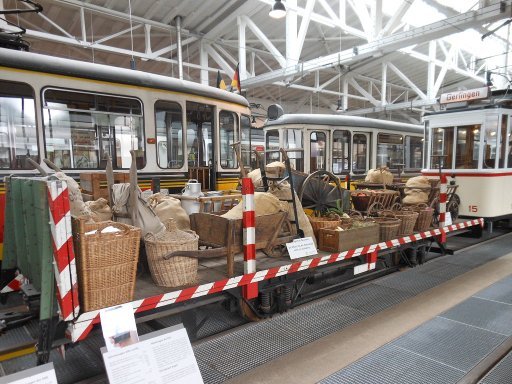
[(32, 249), (19, 227), (44, 235), (10, 259)]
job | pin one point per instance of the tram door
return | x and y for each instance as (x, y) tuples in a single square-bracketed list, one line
[(360, 153), (200, 144), (318, 149)]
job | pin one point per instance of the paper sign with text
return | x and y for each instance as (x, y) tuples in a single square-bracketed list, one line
[(160, 357), (118, 326), (301, 248), (448, 219), (43, 374)]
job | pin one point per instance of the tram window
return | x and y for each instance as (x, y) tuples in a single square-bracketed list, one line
[(228, 134), (245, 141), (18, 134), (490, 142), (340, 151), (503, 142), (271, 146), (360, 153), (294, 139), (82, 128), (442, 144), (467, 147), (169, 134), (413, 152), (390, 150), (317, 142)]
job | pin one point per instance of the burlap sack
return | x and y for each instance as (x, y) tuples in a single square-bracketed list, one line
[(264, 204), (378, 176), (76, 202), (100, 211), (275, 169), (417, 190), (283, 192), (255, 176), (167, 207)]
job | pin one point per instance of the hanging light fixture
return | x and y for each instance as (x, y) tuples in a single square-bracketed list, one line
[(278, 11)]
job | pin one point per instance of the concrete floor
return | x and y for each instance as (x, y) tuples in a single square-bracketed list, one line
[(317, 360)]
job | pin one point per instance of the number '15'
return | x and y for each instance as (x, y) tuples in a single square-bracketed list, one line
[(473, 208)]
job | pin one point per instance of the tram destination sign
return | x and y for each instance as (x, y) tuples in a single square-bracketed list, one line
[(470, 94)]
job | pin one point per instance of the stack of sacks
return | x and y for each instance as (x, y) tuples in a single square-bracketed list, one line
[(76, 202), (283, 192), (255, 176), (379, 176), (100, 211), (417, 190), (167, 207), (264, 204), (275, 169)]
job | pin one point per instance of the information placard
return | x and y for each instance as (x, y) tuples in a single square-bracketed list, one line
[(301, 248), (448, 219), (43, 374), (118, 326), (160, 357)]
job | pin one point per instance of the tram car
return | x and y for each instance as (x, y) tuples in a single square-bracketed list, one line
[(346, 146), (470, 142), (75, 113)]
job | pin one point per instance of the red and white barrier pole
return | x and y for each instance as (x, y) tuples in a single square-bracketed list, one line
[(14, 285), (443, 188), (249, 291)]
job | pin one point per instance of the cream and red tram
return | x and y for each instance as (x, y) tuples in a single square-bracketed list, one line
[(473, 143), (346, 146)]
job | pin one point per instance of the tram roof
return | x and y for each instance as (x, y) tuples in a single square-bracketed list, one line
[(344, 121), (86, 70)]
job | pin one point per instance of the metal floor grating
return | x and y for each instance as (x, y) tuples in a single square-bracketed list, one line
[(451, 343), (501, 373)]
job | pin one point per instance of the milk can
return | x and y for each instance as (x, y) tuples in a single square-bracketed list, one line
[(192, 190)]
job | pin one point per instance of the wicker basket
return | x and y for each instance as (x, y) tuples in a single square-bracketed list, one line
[(360, 201), (408, 222), (177, 271), (388, 227), (106, 262), (322, 222), (425, 217)]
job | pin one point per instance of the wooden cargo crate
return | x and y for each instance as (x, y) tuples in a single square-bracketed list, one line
[(94, 184), (331, 240)]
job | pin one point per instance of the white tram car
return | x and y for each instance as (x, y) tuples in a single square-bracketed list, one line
[(472, 140), (347, 146)]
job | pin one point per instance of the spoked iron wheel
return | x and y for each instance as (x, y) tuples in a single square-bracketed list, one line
[(320, 191)]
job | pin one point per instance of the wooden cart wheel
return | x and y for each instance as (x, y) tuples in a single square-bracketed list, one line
[(396, 206), (320, 191), (453, 207)]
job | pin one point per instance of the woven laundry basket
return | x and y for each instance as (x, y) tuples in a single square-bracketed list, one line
[(177, 271), (107, 253), (388, 227), (425, 217), (322, 222)]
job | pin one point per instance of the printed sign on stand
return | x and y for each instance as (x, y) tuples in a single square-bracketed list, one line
[(43, 374), (448, 219), (301, 248), (118, 326), (160, 357)]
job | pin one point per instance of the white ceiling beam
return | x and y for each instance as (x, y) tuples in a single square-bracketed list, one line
[(407, 81), (117, 34), (266, 42), (448, 63), (376, 16), (242, 58), (171, 48), (362, 14), (431, 69), (221, 62), (395, 19), (362, 91), (304, 25), (393, 107), (393, 42), (291, 22)]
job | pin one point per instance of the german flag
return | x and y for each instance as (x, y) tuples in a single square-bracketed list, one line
[(220, 81), (235, 83)]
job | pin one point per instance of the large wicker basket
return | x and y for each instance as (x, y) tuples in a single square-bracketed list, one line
[(408, 222), (425, 217), (177, 271), (388, 227), (106, 262)]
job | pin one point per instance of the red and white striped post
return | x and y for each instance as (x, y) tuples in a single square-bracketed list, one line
[(443, 188), (15, 284), (249, 291), (63, 254)]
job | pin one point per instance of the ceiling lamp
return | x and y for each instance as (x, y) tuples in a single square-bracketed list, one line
[(278, 11)]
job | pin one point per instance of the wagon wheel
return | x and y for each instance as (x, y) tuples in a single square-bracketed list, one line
[(374, 208), (453, 206), (318, 193), (396, 206)]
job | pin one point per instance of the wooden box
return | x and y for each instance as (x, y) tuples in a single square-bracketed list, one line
[(94, 184), (331, 240)]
